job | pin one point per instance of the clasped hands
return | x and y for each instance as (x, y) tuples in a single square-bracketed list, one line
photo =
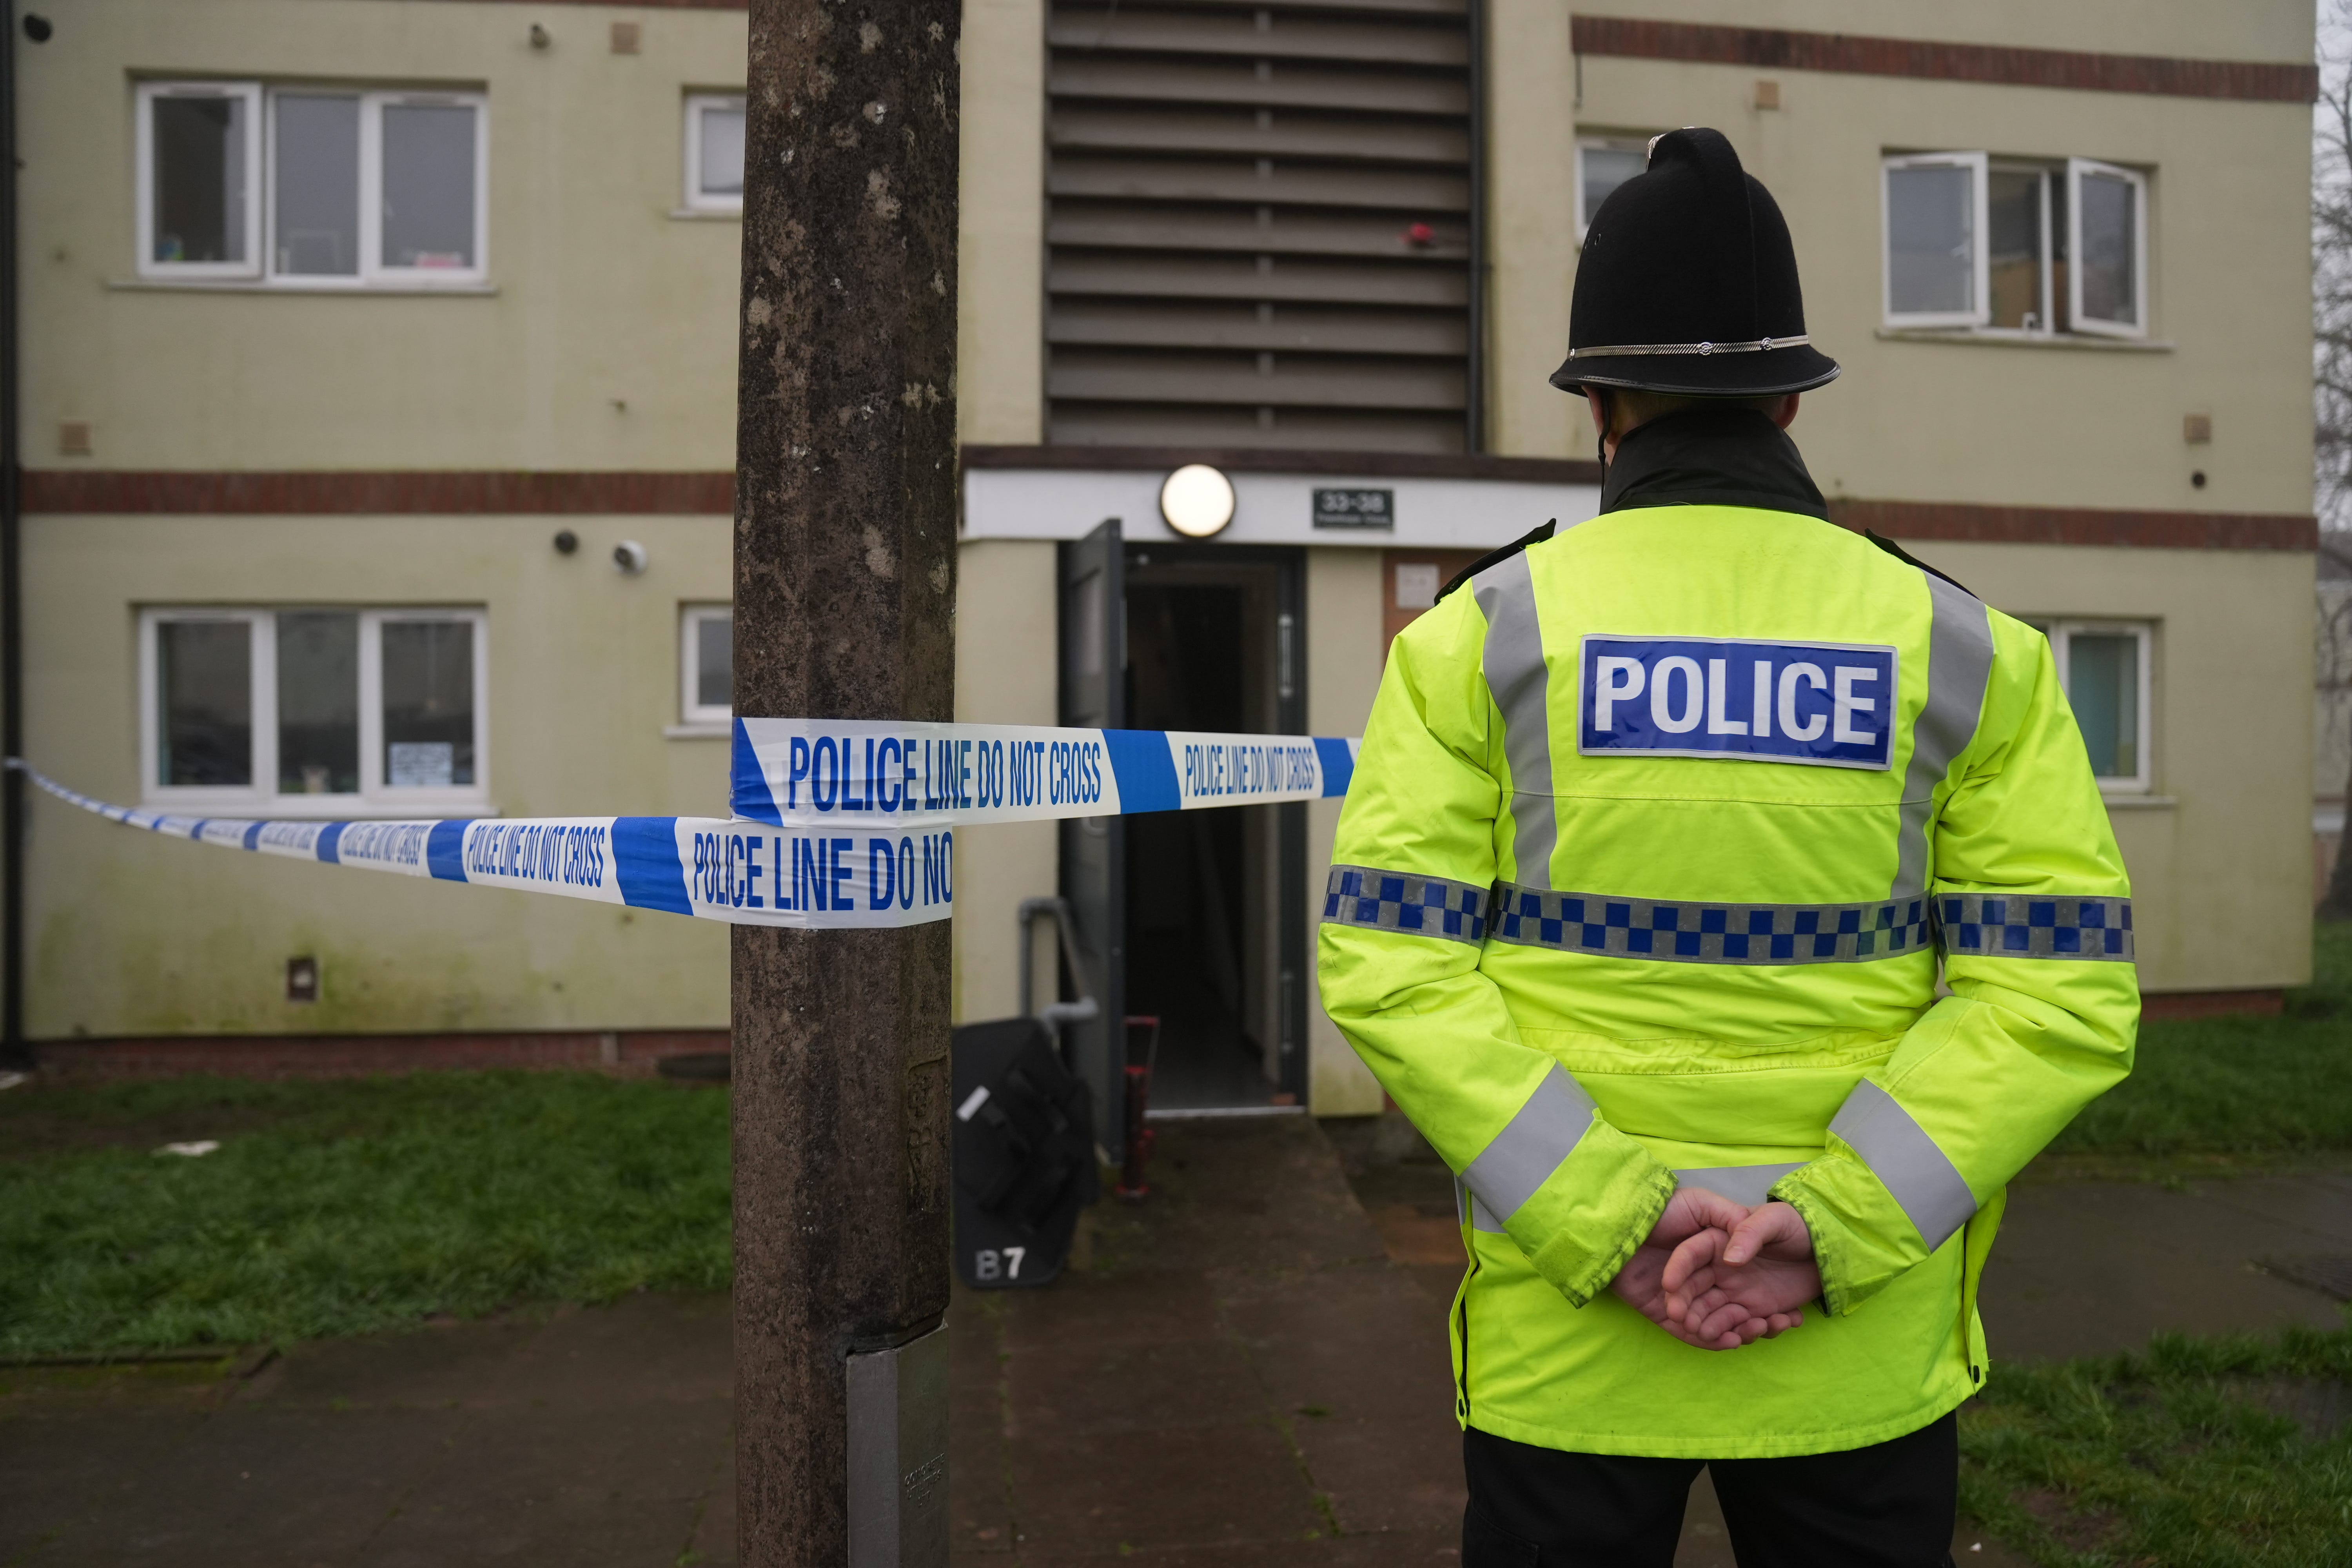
[(1719, 1274)]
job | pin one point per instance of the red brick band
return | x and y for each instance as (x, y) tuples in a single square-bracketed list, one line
[(339, 493), (651, 5), (2080, 525), (629, 1053), (428, 493), (2253, 82)]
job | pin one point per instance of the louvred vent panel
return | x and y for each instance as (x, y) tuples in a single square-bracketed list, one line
[(1258, 220)]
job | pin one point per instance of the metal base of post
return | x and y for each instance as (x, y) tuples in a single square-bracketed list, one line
[(898, 1454)]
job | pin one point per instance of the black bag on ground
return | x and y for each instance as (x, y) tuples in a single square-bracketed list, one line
[(1024, 1154)]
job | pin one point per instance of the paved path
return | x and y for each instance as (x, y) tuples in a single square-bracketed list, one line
[(1248, 1369)]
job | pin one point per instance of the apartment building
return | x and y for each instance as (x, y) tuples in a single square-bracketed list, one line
[(377, 403)]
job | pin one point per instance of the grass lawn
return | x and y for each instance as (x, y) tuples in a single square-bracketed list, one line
[(2238, 1086), (2215, 1453), (339, 1207)]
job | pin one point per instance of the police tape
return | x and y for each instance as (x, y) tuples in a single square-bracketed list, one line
[(870, 842), (789, 771)]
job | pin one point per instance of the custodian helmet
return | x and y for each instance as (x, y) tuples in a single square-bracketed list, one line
[(1688, 283)]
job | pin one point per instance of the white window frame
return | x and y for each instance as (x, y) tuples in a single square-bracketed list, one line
[(1980, 281), (2077, 169), (691, 618), (374, 798), (371, 265), (1607, 144), (2062, 634), (144, 183), (697, 104), (261, 173)]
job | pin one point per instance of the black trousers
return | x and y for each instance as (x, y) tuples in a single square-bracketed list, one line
[(1887, 1506)]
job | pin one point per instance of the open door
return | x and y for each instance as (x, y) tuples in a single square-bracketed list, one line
[(1093, 849)]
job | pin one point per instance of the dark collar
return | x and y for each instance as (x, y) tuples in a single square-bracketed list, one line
[(1711, 456)]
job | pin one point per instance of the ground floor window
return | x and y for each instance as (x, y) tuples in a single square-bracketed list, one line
[(318, 711), (2104, 666), (706, 664)]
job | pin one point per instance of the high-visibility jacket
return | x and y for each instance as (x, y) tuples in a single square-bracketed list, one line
[(1659, 831)]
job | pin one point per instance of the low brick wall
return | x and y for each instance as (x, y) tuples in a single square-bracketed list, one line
[(627, 1053), (2210, 1004)]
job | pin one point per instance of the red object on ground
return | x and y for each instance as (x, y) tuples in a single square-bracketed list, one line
[(1420, 233), (1131, 1183)]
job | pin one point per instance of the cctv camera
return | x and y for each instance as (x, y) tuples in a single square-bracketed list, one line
[(629, 557)]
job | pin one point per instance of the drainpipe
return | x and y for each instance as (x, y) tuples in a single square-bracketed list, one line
[(15, 1052)]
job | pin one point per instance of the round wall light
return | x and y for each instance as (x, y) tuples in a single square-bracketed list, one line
[(1197, 501)]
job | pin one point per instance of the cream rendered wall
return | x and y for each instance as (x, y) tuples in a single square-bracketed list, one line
[(1001, 301), (2220, 852), (1344, 658), (607, 342), (131, 934), (1006, 665), (1006, 605), (1944, 421), (1530, 230), (2004, 423)]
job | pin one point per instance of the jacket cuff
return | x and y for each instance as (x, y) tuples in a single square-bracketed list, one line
[(1592, 1213), (1862, 1242)]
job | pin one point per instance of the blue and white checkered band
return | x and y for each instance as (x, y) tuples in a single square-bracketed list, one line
[(1405, 901), (1709, 933), (2008, 925)]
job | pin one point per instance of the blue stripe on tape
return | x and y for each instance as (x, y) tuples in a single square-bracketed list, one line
[(747, 790), (444, 849), (330, 846), (253, 834), (1338, 765), (1139, 760), (645, 861)]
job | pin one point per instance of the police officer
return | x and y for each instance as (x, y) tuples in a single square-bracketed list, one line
[(1665, 826)]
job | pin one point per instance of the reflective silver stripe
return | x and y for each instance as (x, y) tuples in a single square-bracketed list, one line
[(1406, 901), (1505, 593), (1472, 1213), (1901, 1154), (1751, 346), (2005, 925), (1749, 1184), (1524, 1154), (1709, 933), (1959, 664)]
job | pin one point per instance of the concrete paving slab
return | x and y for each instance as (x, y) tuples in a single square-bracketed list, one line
[(1228, 1485), (270, 1486), (2093, 1268)]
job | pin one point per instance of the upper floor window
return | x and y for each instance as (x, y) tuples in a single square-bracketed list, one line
[(1603, 163), (2004, 246), (714, 151), (313, 711), (310, 186)]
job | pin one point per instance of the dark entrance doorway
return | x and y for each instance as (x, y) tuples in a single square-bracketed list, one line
[(1213, 925)]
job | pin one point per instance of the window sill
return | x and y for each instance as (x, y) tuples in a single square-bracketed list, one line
[(708, 214), (716, 730), (2140, 802), (323, 808), (2022, 340), (259, 285)]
